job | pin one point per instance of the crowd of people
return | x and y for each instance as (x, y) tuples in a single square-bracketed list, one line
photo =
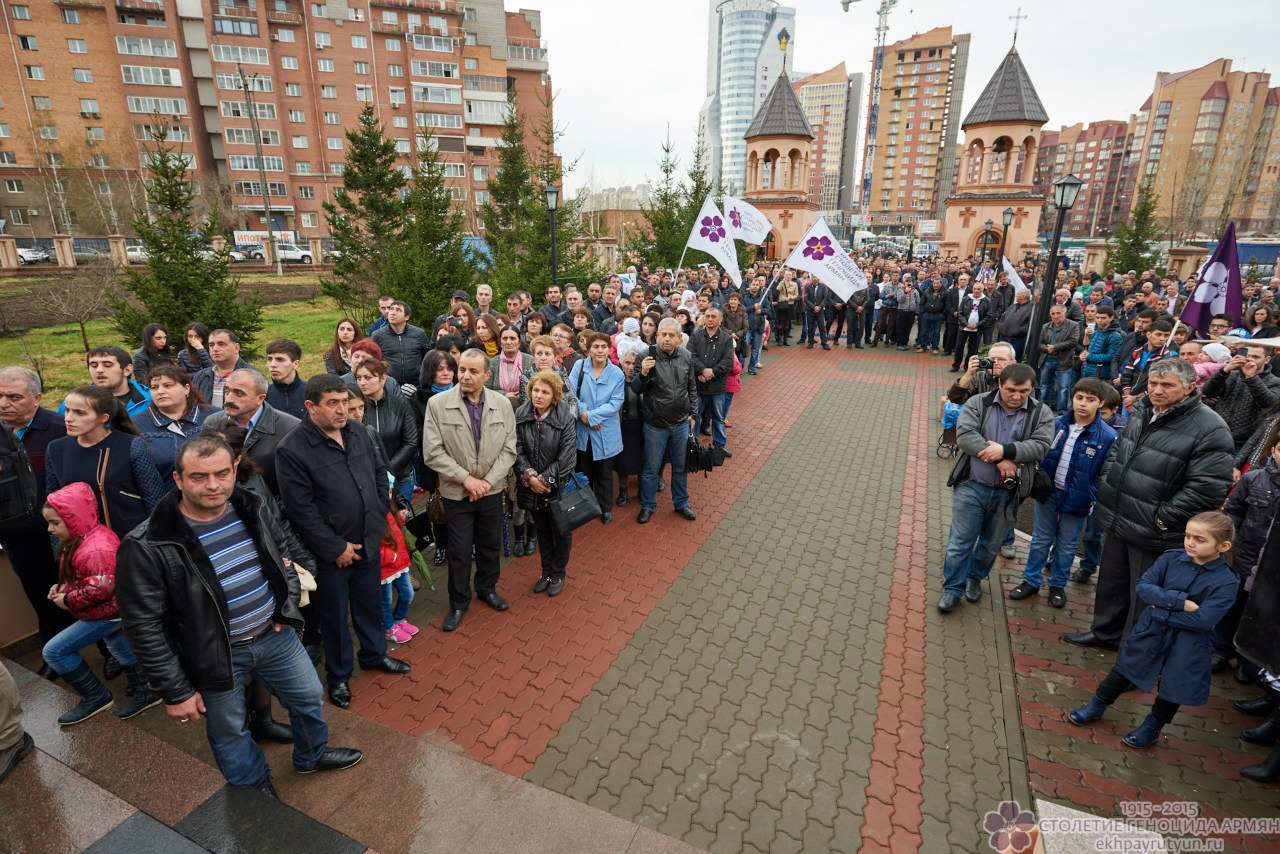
[(258, 517)]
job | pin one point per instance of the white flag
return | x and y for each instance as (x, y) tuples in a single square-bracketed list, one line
[(745, 222), (711, 235), (1014, 279), (819, 252)]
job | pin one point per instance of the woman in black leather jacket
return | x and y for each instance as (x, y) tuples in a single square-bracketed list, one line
[(391, 417), (546, 454)]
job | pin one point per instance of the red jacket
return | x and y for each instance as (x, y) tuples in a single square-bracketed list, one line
[(395, 556), (91, 592)]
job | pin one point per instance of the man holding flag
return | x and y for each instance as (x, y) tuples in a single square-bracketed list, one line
[(1219, 289), (711, 235)]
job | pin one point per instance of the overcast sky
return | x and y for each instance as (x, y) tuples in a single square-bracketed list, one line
[(626, 70)]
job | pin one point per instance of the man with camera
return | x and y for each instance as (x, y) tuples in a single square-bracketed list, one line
[(1002, 436), (982, 372)]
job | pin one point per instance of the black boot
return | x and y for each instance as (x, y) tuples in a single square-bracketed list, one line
[(265, 728), (1266, 733), (530, 538), (110, 667), (94, 696), (1259, 707), (1265, 771), (142, 697)]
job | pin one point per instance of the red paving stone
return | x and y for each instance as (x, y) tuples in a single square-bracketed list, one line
[(502, 685), (896, 773)]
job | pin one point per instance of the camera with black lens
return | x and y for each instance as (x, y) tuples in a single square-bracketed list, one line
[(985, 364), (1009, 483)]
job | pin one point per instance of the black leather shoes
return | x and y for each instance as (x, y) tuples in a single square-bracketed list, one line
[(540, 586), (644, 516), (47, 672), (340, 695), (728, 454), (334, 759), (947, 602), (555, 587), (1088, 639), (973, 590), (1259, 707), (1023, 590), (389, 665), (267, 789), (11, 756), (452, 620), (606, 517), (687, 512), (1058, 597), (265, 728), (494, 601), (622, 499)]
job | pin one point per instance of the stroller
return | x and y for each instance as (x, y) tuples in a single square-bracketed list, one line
[(948, 414)]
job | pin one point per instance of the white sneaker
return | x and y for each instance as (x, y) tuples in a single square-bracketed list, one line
[(1008, 551)]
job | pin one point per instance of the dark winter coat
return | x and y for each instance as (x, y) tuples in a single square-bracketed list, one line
[(714, 352), (392, 419), (933, 302), (204, 379), (986, 312), (1089, 457), (1253, 506), (1015, 321), (1164, 473), (163, 443), (755, 322), (1260, 622), (119, 469), (289, 398), (403, 351), (549, 447), (1104, 345), (669, 391), (173, 610), (260, 445), (1066, 341), (1172, 645), (1240, 400)]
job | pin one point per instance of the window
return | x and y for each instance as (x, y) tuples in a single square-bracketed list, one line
[(435, 69), (323, 40), (487, 112), (254, 188), (437, 94), (402, 146), (247, 162), (18, 216), (88, 106), (480, 173), (397, 96), (289, 63), (188, 160), (297, 116), (436, 43), (136, 46), (319, 10), (333, 143), (310, 220), (359, 42), (35, 72), (481, 197), (255, 82), (299, 142), (8, 158), (77, 46), (473, 132), (395, 70), (150, 75), (41, 103), (396, 121), (302, 167), (437, 120), (95, 134), (470, 64), (236, 53), (236, 26), (28, 43), (332, 118), (21, 13), (240, 110), (244, 136), (362, 68), (48, 132), (99, 161), (284, 35), (293, 90), (83, 75), (325, 65), (4, 131), (337, 168), (163, 106), (306, 192), (364, 93), (393, 45), (468, 14), (453, 170), (469, 39), (13, 186), (53, 158), (328, 91), (173, 133)]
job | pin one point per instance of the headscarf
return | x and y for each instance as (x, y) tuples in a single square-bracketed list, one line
[(689, 300)]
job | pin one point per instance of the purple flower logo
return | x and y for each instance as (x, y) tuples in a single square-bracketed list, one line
[(818, 248), (712, 228), (735, 218), (1010, 827)]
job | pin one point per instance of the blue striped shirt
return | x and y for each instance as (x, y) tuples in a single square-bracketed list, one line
[(250, 602)]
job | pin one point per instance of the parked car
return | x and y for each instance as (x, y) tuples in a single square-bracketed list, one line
[(34, 255), (288, 252), (206, 253), (136, 254), (87, 255)]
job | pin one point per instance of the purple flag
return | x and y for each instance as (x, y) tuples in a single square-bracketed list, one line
[(1218, 286)]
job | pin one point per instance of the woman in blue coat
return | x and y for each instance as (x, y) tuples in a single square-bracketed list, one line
[(598, 385), (1187, 592), (174, 417)]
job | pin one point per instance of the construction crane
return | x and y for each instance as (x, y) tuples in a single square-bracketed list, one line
[(882, 28)]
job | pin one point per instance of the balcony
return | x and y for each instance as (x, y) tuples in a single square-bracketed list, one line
[(80, 4), (235, 12), (449, 6), (277, 16), (153, 6), (390, 27)]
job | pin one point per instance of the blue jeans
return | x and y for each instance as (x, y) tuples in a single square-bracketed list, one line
[(278, 662), (728, 401), (404, 597), (980, 518), (1055, 384), (930, 329), (1052, 530), (661, 443), (1092, 545), (716, 402), (815, 327), (755, 340), (62, 651)]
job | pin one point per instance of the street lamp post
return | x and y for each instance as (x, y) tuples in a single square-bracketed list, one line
[(1065, 192), (1007, 218), (553, 199)]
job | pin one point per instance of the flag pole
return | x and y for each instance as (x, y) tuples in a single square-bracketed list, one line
[(784, 264), (680, 263)]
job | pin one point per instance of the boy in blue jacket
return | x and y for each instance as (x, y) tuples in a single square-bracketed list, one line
[(1081, 447)]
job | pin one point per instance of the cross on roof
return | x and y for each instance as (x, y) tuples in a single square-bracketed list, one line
[(785, 216), (1017, 19)]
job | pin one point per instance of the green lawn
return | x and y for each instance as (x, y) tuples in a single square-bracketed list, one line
[(61, 357)]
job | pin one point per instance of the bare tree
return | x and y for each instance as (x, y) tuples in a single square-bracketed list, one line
[(82, 296)]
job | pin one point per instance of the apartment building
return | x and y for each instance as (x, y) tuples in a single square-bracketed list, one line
[(1096, 155), (832, 102), (252, 91)]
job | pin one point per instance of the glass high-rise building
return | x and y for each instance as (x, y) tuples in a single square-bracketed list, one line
[(748, 46)]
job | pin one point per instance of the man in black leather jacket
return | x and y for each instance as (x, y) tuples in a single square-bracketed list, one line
[(666, 382), (195, 642)]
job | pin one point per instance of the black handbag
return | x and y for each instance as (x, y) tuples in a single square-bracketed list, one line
[(574, 508), (1041, 485)]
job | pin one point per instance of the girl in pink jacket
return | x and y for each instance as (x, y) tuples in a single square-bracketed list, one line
[(86, 587)]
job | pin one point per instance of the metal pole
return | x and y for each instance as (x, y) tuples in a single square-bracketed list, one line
[(1041, 310), (553, 248), (273, 253)]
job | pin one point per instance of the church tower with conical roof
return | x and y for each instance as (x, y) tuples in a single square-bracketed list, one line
[(778, 143), (997, 170)]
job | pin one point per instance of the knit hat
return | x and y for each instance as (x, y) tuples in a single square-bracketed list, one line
[(1218, 352), (630, 326)]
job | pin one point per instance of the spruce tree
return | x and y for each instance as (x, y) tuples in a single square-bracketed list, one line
[(1136, 242), (431, 259), (184, 281), (365, 218)]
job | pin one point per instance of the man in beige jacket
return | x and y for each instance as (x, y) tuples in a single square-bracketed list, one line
[(469, 440)]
